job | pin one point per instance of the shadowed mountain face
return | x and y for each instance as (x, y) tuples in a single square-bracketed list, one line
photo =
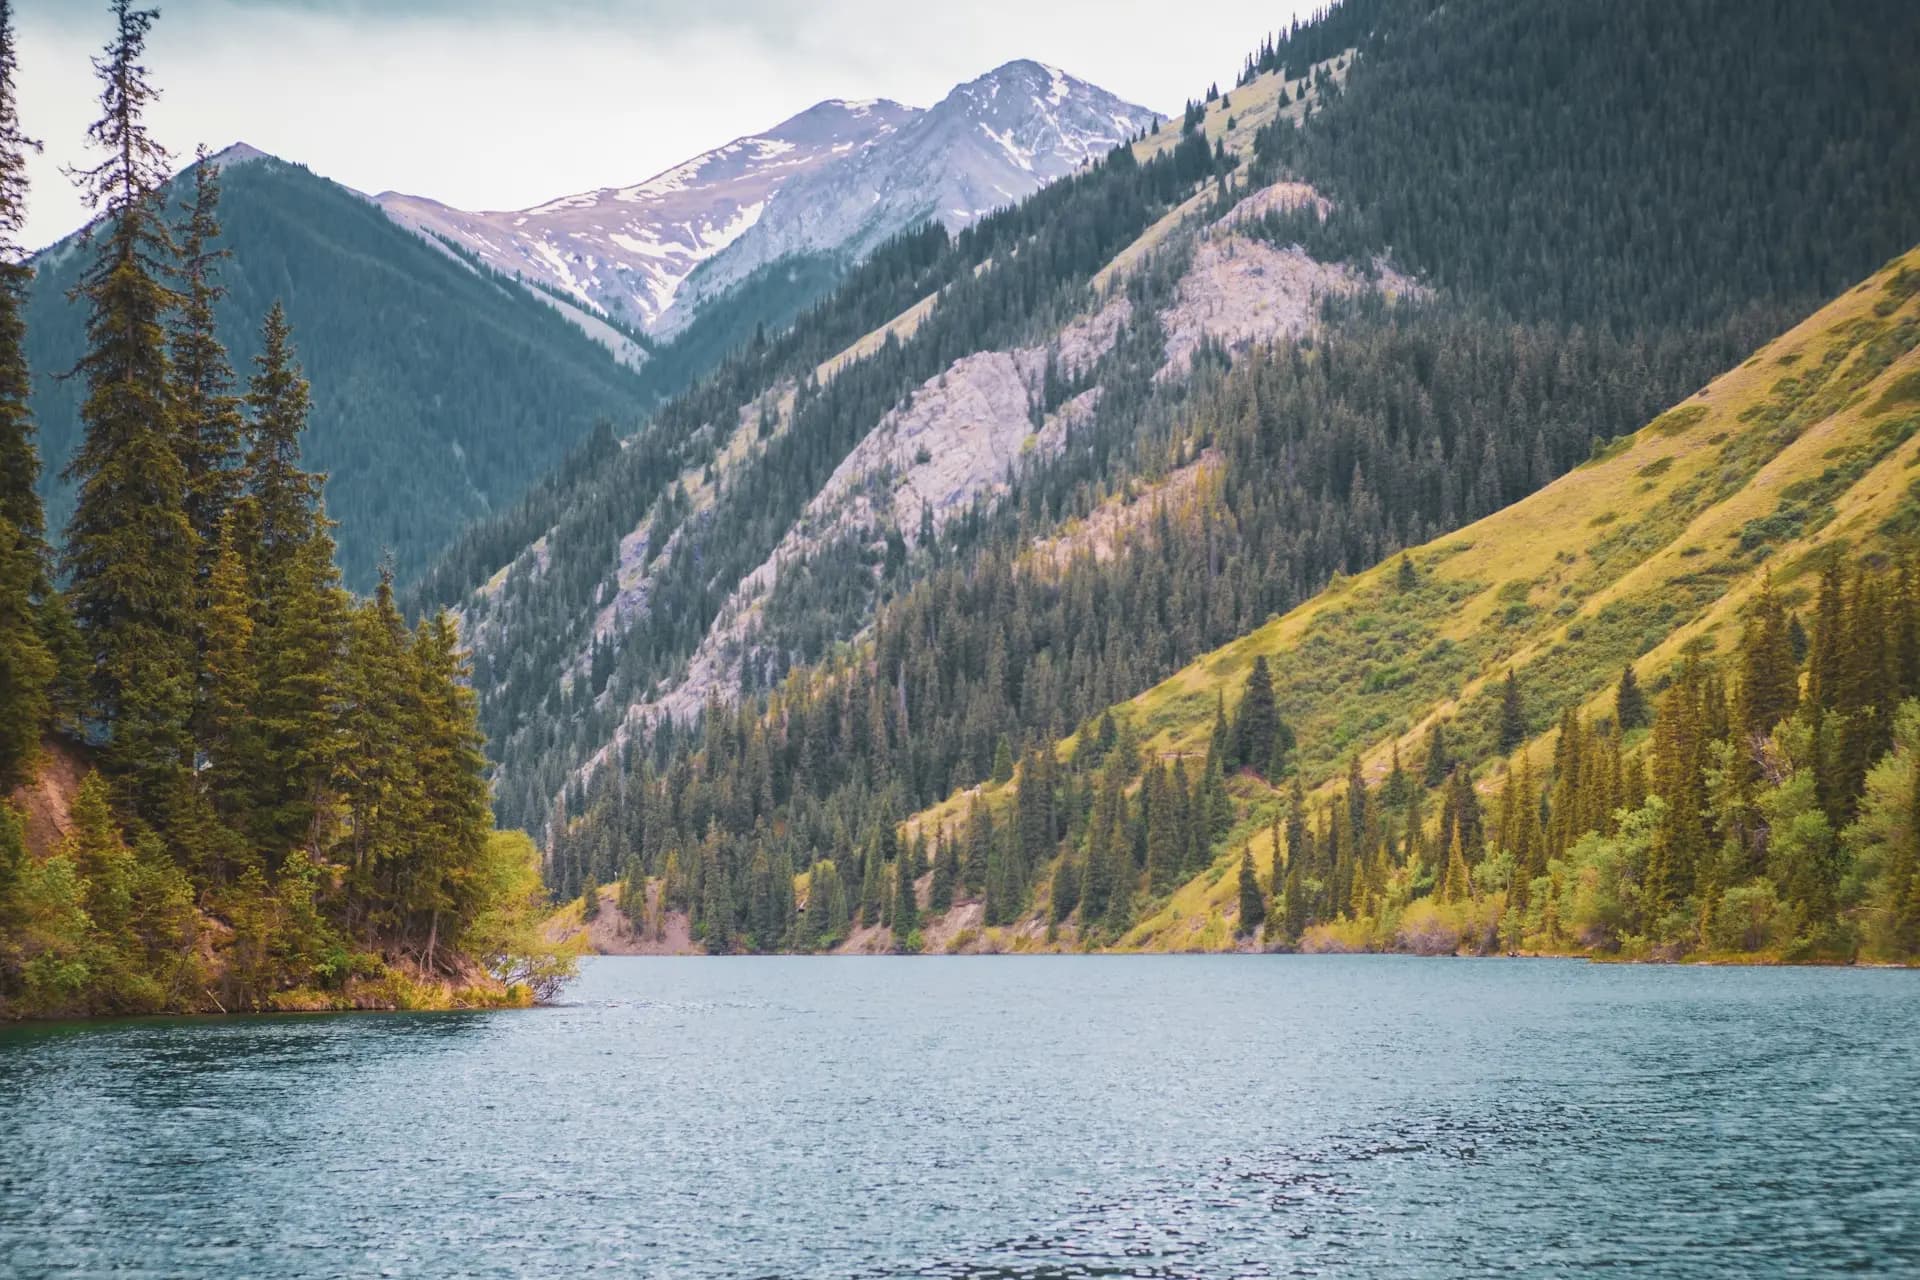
[(834, 180), (440, 390)]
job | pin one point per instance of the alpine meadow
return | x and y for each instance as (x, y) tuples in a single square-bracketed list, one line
[(1351, 635)]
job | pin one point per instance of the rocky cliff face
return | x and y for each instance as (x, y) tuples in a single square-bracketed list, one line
[(955, 439)]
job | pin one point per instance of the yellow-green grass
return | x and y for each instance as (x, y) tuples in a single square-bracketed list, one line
[(1247, 108), (901, 327), (1656, 547)]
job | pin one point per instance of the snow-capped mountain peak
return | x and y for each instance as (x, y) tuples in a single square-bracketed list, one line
[(837, 178), (988, 143), (624, 251)]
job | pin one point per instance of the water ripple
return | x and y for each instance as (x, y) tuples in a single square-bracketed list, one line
[(1020, 1119)]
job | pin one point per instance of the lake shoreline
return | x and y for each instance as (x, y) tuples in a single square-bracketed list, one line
[(461, 1000)]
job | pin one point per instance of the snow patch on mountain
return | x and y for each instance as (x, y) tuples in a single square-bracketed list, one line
[(623, 253), (991, 142), (838, 178)]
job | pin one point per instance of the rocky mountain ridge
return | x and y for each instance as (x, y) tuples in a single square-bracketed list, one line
[(835, 179)]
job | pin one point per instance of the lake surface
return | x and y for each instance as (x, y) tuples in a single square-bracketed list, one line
[(1179, 1116)]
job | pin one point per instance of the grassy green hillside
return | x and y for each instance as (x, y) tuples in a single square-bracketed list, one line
[(1654, 550)]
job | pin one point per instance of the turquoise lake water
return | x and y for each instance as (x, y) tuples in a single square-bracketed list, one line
[(995, 1117)]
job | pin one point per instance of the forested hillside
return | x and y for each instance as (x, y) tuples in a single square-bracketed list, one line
[(1664, 708), (1695, 164), (227, 782), (683, 484), (440, 390), (1181, 512)]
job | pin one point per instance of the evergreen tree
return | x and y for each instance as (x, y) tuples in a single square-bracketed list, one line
[(1513, 716), (979, 849), (1297, 902), (715, 917), (1253, 902), (872, 887), (452, 769), (1034, 808), (130, 552), (1678, 757), (825, 919), (1166, 833), (946, 873), (286, 498), (27, 667), (1002, 763), (1256, 720), (1461, 816), (1439, 762), (1455, 884), (208, 410), (230, 676), (906, 906), (1106, 834), (303, 613), (1769, 672), (380, 781), (1629, 704)]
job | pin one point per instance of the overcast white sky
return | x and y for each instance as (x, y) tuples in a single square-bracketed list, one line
[(490, 104)]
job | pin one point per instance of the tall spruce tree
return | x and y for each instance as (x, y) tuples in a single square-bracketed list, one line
[(946, 873), (301, 609), (206, 405), (19, 457), (27, 667), (130, 551), (230, 680), (906, 906), (299, 677), (1513, 715), (379, 777), (1629, 703), (1455, 884), (1439, 762), (453, 788), (286, 496), (1256, 720), (1253, 903)]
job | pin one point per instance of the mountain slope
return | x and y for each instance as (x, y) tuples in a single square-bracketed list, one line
[(441, 391), (809, 196), (1654, 551), (1249, 428), (1662, 555), (990, 143), (639, 597), (625, 251)]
